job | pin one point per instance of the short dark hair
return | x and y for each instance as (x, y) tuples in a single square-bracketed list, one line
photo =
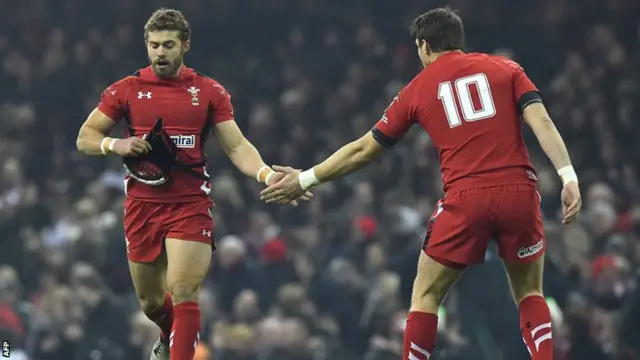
[(168, 19), (441, 28)]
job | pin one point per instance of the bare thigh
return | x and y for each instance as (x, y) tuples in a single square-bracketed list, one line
[(525, 279), (432, 283), (149, 281), (188, 264)]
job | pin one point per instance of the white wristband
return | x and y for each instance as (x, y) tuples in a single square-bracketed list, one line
[(567, 174), (104, 151), (308, 179), (112, 145)]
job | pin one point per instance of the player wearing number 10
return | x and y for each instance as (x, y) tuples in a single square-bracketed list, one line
[(471, 106)]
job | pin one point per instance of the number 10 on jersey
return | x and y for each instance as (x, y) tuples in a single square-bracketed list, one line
[(462, 87)]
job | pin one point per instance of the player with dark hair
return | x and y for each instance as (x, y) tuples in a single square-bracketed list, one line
[(470, 104), (168, 220)]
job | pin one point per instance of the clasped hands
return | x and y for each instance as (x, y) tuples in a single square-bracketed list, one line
[(285, 187)]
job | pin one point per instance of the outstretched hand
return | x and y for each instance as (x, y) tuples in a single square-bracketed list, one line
[(286, 187)]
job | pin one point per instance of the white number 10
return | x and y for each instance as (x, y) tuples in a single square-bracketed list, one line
[(469, 112)]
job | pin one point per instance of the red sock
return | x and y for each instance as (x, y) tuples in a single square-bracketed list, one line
[(185, 332), (163, 317), (535, 324), (419, 336)]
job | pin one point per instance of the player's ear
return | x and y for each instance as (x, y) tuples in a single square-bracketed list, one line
[(424, 44), (186, 45)]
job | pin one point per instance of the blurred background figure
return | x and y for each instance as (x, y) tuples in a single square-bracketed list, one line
[(331, 278)]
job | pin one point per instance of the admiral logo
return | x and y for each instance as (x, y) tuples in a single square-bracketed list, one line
[(184, 141), (531, 250)]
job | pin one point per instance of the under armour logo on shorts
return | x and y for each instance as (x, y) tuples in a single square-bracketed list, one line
[(206, 233)]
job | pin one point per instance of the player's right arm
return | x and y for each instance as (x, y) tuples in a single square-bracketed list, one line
[(536, 116), (242, 153), (92, 137), (395, 122)]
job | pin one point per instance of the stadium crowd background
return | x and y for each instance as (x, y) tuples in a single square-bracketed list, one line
[(331, 278)]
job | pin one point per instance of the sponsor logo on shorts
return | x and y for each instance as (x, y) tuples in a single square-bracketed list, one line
[(184, 141), (206, 233), (531, 250)]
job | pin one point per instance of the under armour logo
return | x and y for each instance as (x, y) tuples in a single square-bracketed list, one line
[(206, 233), (420, 350), (146, 95)]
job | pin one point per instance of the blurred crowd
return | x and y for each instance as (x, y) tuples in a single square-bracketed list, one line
[(330, 279)]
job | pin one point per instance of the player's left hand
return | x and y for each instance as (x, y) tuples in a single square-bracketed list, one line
[(287, 189)]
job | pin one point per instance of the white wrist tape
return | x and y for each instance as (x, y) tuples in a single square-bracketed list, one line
[(308, 179), (102, 148), (269, 174), (567, 174), (266, 178), (112, 144), (260, 172)]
